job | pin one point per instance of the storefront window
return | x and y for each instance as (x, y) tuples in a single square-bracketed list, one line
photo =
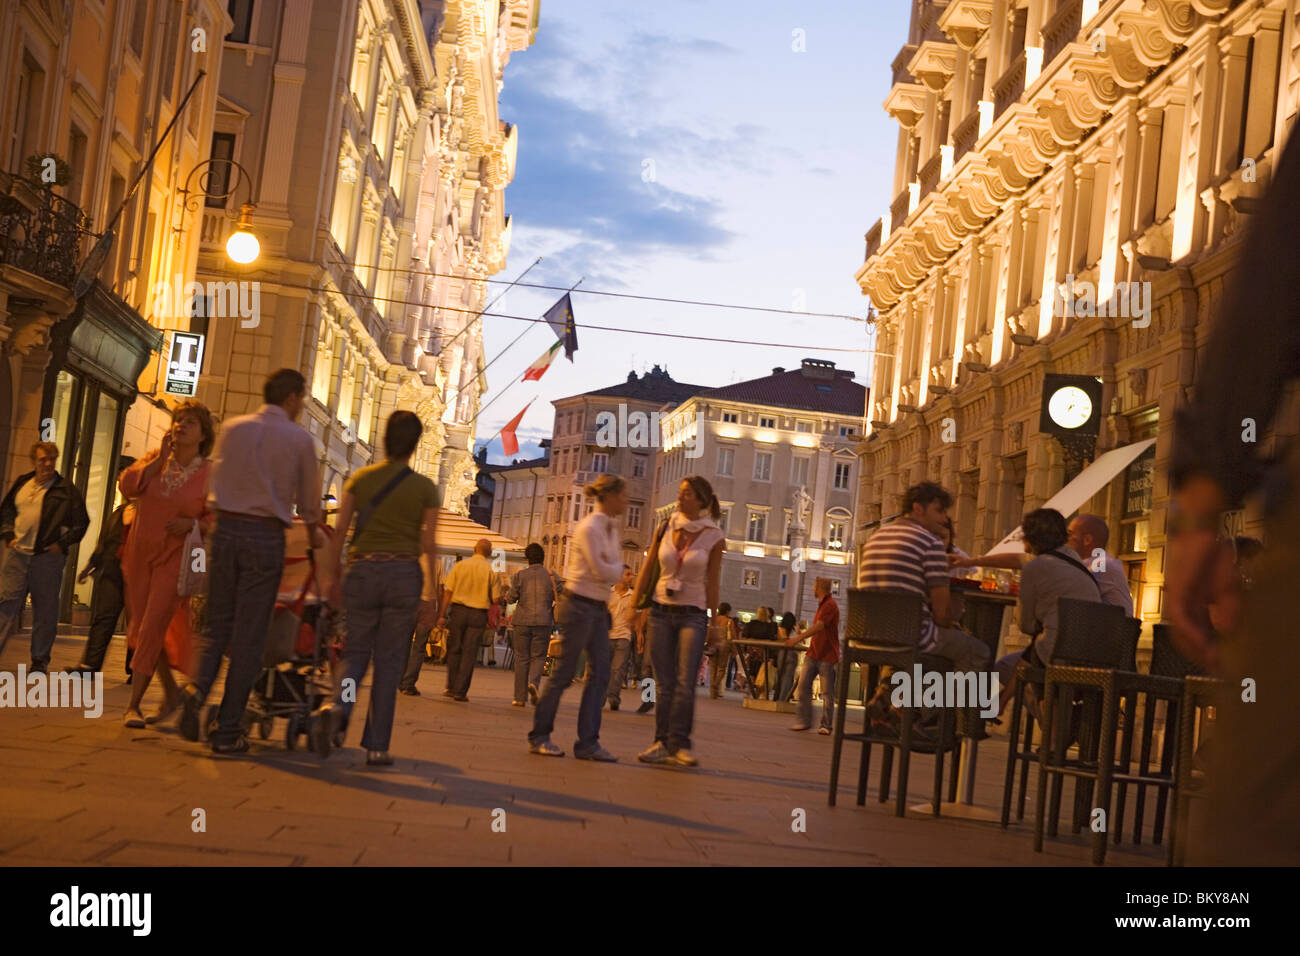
[(63, 412), (95, 460)]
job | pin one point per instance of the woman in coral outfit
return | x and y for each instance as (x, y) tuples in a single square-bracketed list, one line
[(169, 487)]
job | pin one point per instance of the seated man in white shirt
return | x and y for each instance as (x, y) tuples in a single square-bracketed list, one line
[(1088, 535)]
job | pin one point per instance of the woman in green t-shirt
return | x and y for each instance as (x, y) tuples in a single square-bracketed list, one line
[(396, 514)]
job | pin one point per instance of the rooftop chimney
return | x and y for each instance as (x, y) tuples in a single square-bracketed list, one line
[(818, 369), (778, 370)]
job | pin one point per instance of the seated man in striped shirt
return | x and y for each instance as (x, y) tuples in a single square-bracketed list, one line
[(909, 555)]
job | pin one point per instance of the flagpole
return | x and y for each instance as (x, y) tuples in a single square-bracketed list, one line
[(512, 382), (443, 347)]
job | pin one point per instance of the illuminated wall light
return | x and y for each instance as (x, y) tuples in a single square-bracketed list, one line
[(754, 551), (767, 438), (728, 431), (804, 441)]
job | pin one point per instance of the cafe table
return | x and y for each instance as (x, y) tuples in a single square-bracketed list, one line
[(771, 652), (982, 617)]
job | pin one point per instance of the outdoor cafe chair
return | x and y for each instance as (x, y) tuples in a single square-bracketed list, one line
[(1094, 642), (1163, 682), (1200, 696), (883, 629)]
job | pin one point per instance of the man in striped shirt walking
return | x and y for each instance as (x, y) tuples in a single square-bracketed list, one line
[(908, 555)]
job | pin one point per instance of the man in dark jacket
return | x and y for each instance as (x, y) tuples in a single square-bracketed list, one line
[(41, 518), (109, 595)]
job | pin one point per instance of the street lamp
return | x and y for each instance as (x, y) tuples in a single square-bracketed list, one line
[(218, 180)]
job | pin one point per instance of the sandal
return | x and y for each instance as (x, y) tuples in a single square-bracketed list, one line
[(132, 718)]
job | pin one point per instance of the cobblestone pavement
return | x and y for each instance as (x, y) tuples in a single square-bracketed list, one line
[(91, 792)]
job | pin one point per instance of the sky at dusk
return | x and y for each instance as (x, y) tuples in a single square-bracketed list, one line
[(686, 149)]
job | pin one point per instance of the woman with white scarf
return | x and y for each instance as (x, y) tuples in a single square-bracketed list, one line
[(690, 546)]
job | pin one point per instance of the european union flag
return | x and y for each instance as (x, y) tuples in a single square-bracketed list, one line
[(560, 317)]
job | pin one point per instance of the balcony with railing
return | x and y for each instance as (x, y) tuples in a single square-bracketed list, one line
[(965, 135), (929, 174), (1010, 86), (1062, 29), (898, 209), (873, 240), (40, 232)]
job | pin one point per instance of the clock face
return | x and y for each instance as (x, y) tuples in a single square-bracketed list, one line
[(1070, 407)]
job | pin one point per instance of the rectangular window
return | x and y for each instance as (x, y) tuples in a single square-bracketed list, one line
[(757, 530), (634, 515), (764, 422), (600, 462), (28, 110), (763, 466), (77, 145), (218, 176), (835, 536), (799, 471), (835, 588), (803, 426), (732, 417), (846, 431), (139, 20), (241, 11), (726, 460), (722, 521), (842, 476), (638, 466), (750, 579)]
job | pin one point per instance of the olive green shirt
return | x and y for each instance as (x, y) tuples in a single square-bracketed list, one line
[(395, 525)]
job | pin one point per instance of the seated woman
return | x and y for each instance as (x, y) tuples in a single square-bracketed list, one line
[(1052, 572)]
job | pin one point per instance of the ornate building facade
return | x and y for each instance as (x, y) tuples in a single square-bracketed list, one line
[(1050, 143), (377, 169)]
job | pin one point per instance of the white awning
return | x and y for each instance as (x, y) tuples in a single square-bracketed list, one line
[(1086, 484)]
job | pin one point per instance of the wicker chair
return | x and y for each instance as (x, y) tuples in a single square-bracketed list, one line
[(1200, 694), (1094, 641), (883, 630)]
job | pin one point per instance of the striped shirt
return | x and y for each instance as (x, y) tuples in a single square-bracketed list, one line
[(904, 556)]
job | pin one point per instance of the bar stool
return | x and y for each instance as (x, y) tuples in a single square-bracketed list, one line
[(883, 629), (1200, 694), (1094, 641), (1164, 683)]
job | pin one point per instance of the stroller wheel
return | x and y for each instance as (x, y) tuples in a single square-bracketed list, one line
[(265, 726), (291, 732)]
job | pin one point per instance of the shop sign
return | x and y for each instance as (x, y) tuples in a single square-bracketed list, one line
[(1234, 523), (1139, 478), (184, 363)]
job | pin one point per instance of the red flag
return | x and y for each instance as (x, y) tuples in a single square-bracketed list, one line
[(509, 443)]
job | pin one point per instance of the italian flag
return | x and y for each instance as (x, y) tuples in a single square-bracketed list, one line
[(535, 371)]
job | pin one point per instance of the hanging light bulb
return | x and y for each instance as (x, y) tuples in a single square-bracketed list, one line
[(242, 246)]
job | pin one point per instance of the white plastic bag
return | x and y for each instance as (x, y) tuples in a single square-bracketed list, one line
[(193, 578)]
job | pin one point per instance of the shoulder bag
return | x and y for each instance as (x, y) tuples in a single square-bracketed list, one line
[(648, 597), (366, 513)]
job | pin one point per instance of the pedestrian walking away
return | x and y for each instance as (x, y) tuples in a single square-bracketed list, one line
[(720, 649), (169, 487), (533, 593), (41, 518), (594, 565), (688, 560), (108, 594), (469, 591), (396, 514), (263, 464), (432, 571)]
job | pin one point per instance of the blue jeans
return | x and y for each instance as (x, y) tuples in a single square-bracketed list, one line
[(244, 572), (803, 707), (40, 575), (584, 626), (530, 656), (382, 600), (676, 646)]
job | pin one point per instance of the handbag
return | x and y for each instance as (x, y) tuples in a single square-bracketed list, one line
[(648, 597), (190, 581)]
